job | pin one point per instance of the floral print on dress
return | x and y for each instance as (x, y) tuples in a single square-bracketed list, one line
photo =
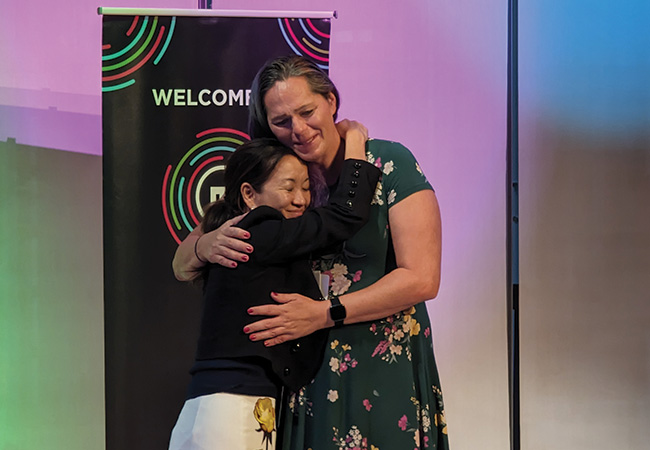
[(396, 331), (420, 429), (371, 158), (377, 197), (342, 361), (439, 417), (353, 440), (340, 281), (360, 408), (386, 169), (299, 399), (392, 195), (340, 277)]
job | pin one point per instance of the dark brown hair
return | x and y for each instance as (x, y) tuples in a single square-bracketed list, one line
[(253, 162)]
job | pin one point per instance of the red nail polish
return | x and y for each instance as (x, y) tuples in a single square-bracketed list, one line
[(249, 310), (252, 337), (249, 249), (246, 329), (247, 235), (245, 258), (234, 264)]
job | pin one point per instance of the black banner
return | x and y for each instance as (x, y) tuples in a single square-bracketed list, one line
[(175, 97)]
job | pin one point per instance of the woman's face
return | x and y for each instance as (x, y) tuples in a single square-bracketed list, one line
[(286, 190), (303, 120)]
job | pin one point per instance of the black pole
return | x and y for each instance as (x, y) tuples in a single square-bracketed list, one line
[(512, 253)]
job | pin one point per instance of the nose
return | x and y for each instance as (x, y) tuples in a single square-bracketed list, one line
[(301, 198), (298, 126)]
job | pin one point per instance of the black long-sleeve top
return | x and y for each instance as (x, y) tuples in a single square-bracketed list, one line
[(280, 263)]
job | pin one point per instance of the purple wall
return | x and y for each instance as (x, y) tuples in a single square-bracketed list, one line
[(431, 75), (50, 88)]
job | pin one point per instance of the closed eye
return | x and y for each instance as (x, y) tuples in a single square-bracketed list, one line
[(280, 122)]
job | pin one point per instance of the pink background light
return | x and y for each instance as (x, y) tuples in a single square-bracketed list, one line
[(431, 75)]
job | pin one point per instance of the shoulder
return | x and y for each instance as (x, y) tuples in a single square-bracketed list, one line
[(259, 215), (382, 146), (389, 156), (401, 172), (381, 152), (266, 226)]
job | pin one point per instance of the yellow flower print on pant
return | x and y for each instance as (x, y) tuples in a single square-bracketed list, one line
[(264, 413)]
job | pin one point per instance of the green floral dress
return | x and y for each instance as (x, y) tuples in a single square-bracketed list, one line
[(378, 385)]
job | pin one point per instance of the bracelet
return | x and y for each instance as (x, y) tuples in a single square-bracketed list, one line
[(196, 253)]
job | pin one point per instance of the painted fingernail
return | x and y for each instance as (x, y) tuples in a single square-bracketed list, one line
[(244, 258), (253, 337), (233, 264), (247, 235), (249, 249), (246, 329), (249, 310)]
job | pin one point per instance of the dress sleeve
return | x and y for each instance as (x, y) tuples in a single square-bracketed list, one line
[(401, 173), (277, 239)]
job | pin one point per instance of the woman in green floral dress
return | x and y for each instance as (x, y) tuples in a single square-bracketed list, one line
[(377, 387)]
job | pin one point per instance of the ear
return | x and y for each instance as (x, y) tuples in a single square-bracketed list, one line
[(331, 100), (248, 194)]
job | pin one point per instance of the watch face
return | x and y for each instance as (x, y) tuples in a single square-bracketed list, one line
[(337, 312)]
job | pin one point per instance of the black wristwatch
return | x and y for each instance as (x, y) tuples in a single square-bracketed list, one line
[(337, 311)]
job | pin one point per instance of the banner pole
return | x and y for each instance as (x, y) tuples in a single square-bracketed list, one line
[(214, 13)]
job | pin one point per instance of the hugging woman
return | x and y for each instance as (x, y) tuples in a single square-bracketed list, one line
[(235, 382)]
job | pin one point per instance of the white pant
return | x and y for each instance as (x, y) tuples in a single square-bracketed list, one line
[(225, 421)]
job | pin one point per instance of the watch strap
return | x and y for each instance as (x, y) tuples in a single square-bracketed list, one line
[(337, 311)]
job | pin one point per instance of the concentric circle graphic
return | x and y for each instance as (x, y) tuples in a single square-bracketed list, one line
[(144, 38), (197, 179), (305, 39)]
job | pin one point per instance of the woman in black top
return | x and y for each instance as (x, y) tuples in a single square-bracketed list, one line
[(231, 398)]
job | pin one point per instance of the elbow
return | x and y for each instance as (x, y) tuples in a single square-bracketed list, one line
[(431, 292), (182, 275), (178, 274), (187, 276), (434, 291), (429, 287)]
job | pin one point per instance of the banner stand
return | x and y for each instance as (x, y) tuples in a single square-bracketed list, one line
[(175, 94), (214, 13)]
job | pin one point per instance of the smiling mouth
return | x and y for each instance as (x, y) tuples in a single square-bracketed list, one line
[(307, 142)]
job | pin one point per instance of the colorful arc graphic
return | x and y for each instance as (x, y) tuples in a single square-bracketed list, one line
[(305, 39), (197, 179), (140, 42)]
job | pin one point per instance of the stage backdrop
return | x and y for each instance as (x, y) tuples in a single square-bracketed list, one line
[(175, 96)]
